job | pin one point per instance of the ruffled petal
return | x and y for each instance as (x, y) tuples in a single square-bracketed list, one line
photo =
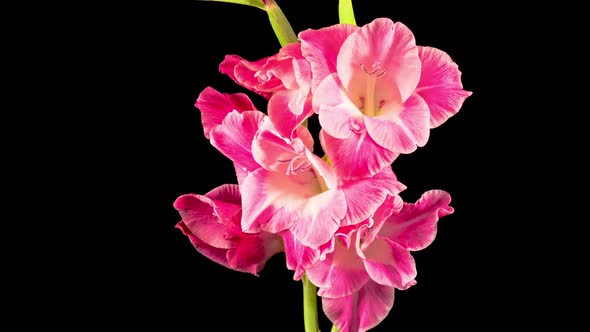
[(365, 195), (340, 274), (298, 257), (214, 106), (320, 218), (320, 47), (218, 255), (389, 264), (402, 131), (274, 201), (440, 85), (251, 252), (360, 311), (251, 74), (279, 111), (414, 227), (200, 220), (337, 114), (356, 156), (380, 57), (234, 136)]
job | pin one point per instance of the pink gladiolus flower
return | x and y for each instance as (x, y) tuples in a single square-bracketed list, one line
[(376, 91), (297, 190), (357, 280), (212, 223), (284, 79)]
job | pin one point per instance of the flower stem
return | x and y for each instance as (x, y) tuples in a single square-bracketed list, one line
[(334, 329), (310, 307)]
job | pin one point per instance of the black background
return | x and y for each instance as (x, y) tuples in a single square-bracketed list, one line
[(99, 136)]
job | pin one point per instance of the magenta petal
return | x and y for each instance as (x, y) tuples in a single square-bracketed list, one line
[(201, 221), (217, 255), (402, 132), (214, 106), (249, 75), (298, 257), (234, 136), (389, 264), (365, 195), (320, 47), (279, 111), (361, 311), (320, 218), (440, 85), (251, 252), (356, 156), (340, 274), (414, 227)]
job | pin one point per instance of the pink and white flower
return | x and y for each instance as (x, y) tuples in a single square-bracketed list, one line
[(376, 90), (357, 280)]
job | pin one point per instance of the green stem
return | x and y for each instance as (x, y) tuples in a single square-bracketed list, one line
[(310, 306), (345, 12), (280, 24), (334, 329)]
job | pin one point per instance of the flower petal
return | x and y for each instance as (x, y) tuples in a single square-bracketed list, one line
[(440, 85), (298, 257), (389, 264), (249, 75), (365, 195), (356, 156), (217, 255), (340, 274), (401, 132), (279, 111), (414, 227), (320, 218), (383, 51), (320, 47), (214, 106), (251, 252), (360, 311), (337, 114), (275, 200), (200, 220), (234, 136)]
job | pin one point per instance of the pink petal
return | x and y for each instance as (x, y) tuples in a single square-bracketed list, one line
[(298, 257), (356, 156), (440, 85), (389, 264), (382, 54), (360, 311), (321, 47), (320, 218), (227, 201), (340, 274), (391, 205), (275, 200), (414, 227), (249, 75), (214, 106), (251, 252), (280, 111), (273, 151), (402, 132), (201, 221), (234, 136), (337, 114), (217, 255), (365, 195)]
